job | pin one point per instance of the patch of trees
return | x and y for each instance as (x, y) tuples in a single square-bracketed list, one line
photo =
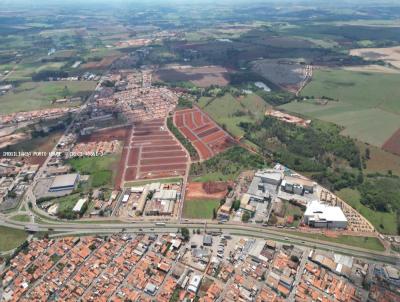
[(229, 162), (303, 149), (44, 75), (381, 193), (276, 98), (186, 143)]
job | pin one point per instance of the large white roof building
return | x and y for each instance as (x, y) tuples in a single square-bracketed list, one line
[(324, 216)]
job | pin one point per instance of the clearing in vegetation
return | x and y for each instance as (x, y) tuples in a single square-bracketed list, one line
[(101, 169), (200, 208), (203, 76)]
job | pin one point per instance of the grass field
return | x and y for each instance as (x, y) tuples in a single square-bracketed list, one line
[(199, 208), (67, 202), (384, 222), (38, 95), (362, 97), (11, 238), (369, 243), (101, 169), (380, 160), (224, 110), (21, 218)]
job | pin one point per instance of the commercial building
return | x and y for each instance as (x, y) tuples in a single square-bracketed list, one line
[(297, 185), (321, 215), (194, 283), (64, 182), (79, 204)]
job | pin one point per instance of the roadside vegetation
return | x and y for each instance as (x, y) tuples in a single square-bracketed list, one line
[(11, 238), (185, 142)]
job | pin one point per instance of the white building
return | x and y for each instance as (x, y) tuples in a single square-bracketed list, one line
[(78, 206), (324, 216), (194, 283)]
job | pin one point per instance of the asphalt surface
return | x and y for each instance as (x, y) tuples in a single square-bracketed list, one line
[(234, 229)]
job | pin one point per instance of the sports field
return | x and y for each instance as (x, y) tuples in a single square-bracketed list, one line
[(365, 104), (38, 95)]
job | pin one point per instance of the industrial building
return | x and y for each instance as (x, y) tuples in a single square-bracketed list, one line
[(272, 177), (64, 182), (321, 215), (78, 206), (297, 185)]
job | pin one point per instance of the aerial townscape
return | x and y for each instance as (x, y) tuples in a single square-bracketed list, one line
[(198, 151)]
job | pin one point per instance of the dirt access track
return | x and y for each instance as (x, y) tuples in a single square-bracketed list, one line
[(152, 152), (205, 135)]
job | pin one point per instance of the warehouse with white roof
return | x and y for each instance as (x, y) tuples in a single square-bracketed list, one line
[(321, 215)]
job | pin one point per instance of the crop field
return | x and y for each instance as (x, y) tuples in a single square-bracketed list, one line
[(39, 95), (151, 152), (200, 76), (204, 134), (390, 55), (380, 161), (393, 143), (230, 111), (24, 72), (200, 208), (367, 105)]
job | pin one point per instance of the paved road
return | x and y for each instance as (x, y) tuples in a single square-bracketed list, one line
[(234, 229)]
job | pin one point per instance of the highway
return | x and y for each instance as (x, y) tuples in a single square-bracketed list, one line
[(233, 229)]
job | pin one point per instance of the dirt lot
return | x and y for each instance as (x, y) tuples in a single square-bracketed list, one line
[(106, 135), (393, 143), (196, 190), (390, 54), (13, 139), (105, 62), (151, 152), (200, 76)]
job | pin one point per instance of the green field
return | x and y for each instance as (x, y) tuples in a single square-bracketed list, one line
[(11, 238), (230, 111), (101, 169), (384, 222), (369, 243), (200, 208), (21, 218), (38, 95), (362, 97)]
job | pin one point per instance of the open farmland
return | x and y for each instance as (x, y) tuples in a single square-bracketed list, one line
[(389, 55), (393, 143), (366, 104), (205, 135), (39, 95), (230, 111), (200, 76), (152, 152)]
